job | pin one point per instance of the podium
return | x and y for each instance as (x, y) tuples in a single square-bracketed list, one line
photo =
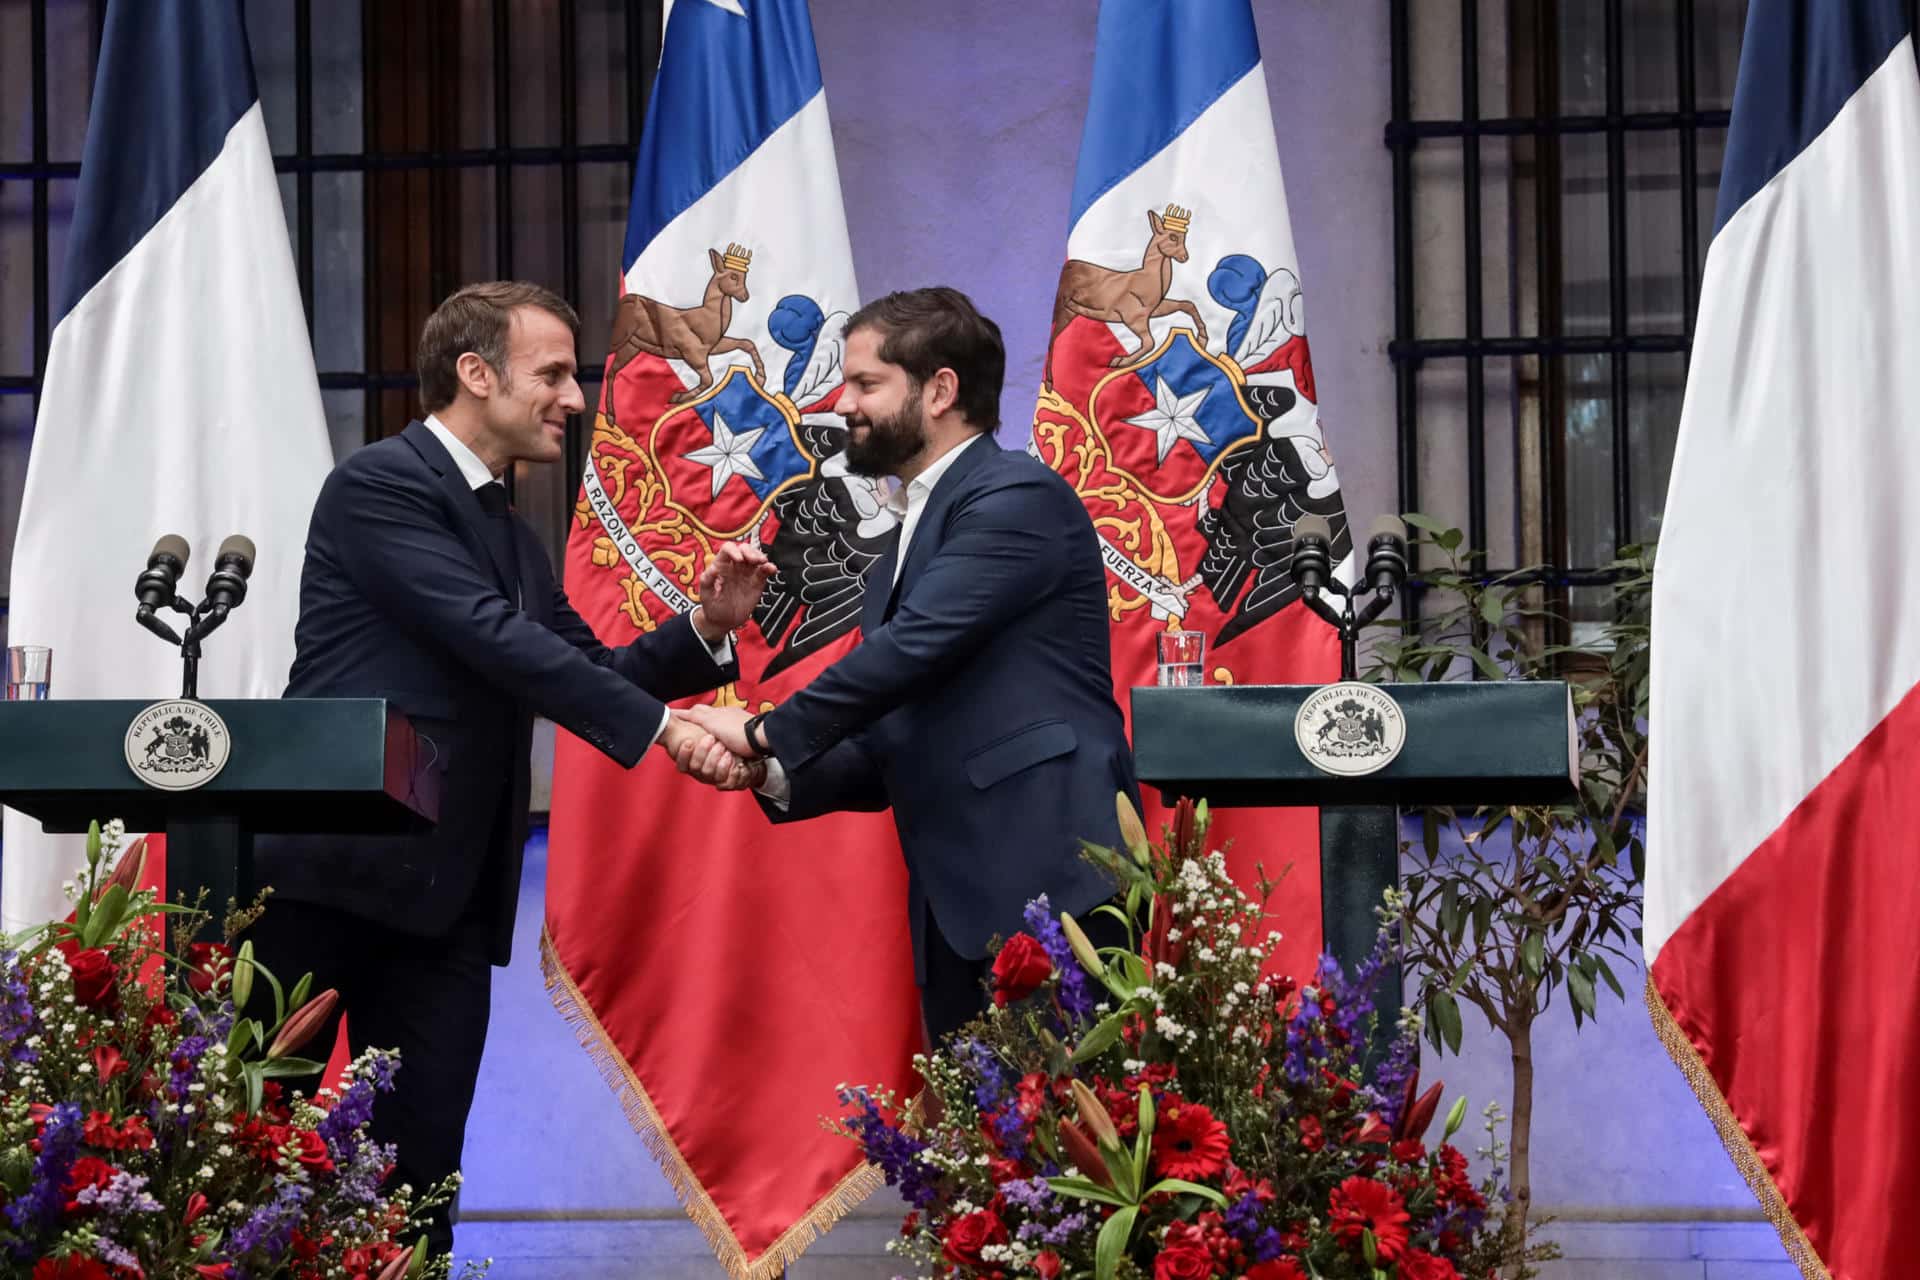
[(1467, 744), (324, 765)]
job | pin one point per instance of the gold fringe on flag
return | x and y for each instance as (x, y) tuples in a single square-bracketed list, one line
[(614, 1069), (1734, 1138)]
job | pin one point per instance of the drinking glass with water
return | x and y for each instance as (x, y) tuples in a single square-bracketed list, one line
[(1183, 657), (29, 672)]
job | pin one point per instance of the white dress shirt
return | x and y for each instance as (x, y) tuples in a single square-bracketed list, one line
[(476, 474), (909, 503)]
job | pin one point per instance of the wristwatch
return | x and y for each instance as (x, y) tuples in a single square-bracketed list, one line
[(757, 740)]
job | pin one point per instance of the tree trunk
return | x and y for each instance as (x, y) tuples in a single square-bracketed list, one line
[(1520, 1172)]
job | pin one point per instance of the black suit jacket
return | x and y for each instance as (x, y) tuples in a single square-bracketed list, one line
[(979, 704), (401, 598)]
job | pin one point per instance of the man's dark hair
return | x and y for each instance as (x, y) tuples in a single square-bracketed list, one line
[(477, 318), (927, 330)]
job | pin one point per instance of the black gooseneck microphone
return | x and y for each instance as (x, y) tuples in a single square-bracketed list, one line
[(157, 585)]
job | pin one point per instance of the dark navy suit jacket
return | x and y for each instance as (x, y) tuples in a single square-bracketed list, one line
[(402, 598), (979, 704)]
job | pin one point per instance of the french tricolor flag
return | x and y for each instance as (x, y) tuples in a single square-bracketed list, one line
[(1783, 877), (179, 396)]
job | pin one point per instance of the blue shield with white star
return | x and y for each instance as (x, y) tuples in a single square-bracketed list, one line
[(726, 455), (1169, 420)]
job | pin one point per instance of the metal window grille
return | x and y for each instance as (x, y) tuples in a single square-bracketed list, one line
[(473, 157)]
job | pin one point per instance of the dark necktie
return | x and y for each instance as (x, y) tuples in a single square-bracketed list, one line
[(499, 531)]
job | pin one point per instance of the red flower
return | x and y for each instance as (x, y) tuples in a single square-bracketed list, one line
[(87, 1171), (1277, 1269), (108, 1062), (95, 981), (1031, 1094), (206, 961), (71, 1267), (968, 1234), (1409, 1151), (1421, 1265), (1359, 1205), (1019, 969), (1189, 1143), (1312, 1136), (1372, 1131), (313, 1150), (213, 1270), (1047, 1263), (1183, 1255), (1000, 1169), (196, 1205)]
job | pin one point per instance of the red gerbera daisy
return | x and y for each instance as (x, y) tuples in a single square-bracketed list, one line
[(1421, 1265), (1359, 1205), (1188, 1142)]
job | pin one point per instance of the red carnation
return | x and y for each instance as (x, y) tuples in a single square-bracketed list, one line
[(1019, 969), (1312, 1136), (1418, 1264), (72, 1267), (1182, 1257), (1189, 1143), (1000, 1169), (1360, 1205), (95, 981), (1277, 1269), (968, 1234)]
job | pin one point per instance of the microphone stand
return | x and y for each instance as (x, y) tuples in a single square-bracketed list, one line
[(1347, 621), (202, 619)]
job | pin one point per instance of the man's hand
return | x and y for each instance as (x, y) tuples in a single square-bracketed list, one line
[(729, 588), (700, 755), (727, 725)]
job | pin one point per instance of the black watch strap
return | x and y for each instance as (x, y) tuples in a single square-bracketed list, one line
[(757, 738)]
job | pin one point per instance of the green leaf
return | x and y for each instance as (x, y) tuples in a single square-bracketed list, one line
[(1580, 987), (1105, 1034), (1449, 539), (1182, 1186), (1533, 953), (239, 1038), (255, 1080), (281, 1067), (1113, 1242), (1492, 608), (1451, 922), (298, 998), (1086, 1189), (1423, 522), (1460, 977), (1488, 667), (1446, 1017), (1600, 963)]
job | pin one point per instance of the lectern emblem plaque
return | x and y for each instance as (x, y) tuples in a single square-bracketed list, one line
[(178, 745), (1350, 729)]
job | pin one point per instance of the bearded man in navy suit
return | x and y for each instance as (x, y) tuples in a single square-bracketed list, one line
[(979, 703), (423, 587)]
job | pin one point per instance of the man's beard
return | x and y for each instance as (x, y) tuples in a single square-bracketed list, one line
[(889, 442)]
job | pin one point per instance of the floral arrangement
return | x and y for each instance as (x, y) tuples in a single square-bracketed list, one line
[(143, 1128), (1165, 1110)]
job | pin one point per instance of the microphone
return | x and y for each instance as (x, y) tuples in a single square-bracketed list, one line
[(168, 560), (1387, 554), (1312, 565), (227, 585)]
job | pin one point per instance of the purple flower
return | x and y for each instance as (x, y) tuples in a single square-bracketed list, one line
[(269, 1228), (1243, 1218), (40, 1207), (18, 1021), (124, 1196), (1268, 1245), (1063, 1231), (897, 1153), (1076, 998)]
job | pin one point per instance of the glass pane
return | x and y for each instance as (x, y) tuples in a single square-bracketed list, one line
[(1717, 29), (1439, 264), (537, 226), (346, 420), (1713, 151), (475, 62), (1501, 223), (59, 222), (271, 35), (337, 80), (70, 56), (1442, 444), (1649, 67), (17, 303), (16, 438), (290, 207), (16, 83), (603, 231), (1654, 296), (1588, 444), (339, 273), (1583, 234), (600, 70), (1433, 37), (1583, 58), (1501, 386), (474, 257), (1656, 384), (535, 73)]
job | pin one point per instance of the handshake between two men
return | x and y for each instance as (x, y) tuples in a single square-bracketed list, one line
[(709, 742)]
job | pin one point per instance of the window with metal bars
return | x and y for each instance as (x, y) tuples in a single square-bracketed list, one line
[(421, 144), (1555, 166)]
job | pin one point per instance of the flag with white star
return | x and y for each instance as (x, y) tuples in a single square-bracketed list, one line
[(1178, 396), (716, 423)]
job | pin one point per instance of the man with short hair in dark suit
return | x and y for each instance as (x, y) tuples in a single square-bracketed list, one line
[(979, 703), (423, 587)]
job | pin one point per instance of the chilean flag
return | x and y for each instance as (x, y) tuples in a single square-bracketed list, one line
[(1783, 874), (1179, 397), (179, 396), (723, 975)]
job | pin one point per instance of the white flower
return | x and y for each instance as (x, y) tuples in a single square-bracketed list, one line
[(1143, 993), (1168, 1027), (1165, 970)]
